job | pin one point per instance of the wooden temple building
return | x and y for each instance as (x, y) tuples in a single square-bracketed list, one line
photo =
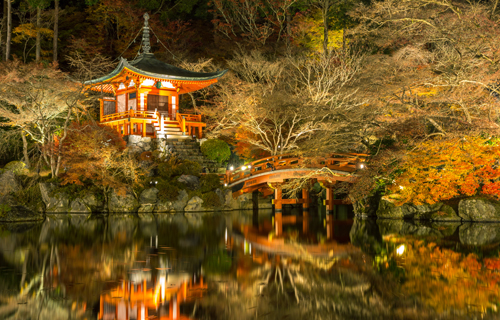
[(145, 95)]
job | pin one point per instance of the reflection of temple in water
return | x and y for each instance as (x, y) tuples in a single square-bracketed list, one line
[(147, 297)]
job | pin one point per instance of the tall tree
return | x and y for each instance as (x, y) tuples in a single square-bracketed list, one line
[(9, 29), (56, 30), (39, 5)]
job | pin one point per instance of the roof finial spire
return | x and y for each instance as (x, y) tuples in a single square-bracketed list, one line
[(146, 46)]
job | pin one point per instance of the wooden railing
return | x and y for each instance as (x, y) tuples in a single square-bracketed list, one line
[(136, 114), (337, 161)]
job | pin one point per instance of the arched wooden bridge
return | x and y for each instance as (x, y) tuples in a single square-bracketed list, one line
[(266, 176), (260, 174)]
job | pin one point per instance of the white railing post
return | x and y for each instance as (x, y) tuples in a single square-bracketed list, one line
[(162, 124)]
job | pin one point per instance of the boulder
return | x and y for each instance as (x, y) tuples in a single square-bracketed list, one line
[(79, 206), (148, 200), (17, 167), (18, 214), (182, 199), (94, 202), (477, 209), (192, 182), (149, 196), (122, 203), (479, 234), (226, 197), (8, 183), (194, 204), (434, 212), (164, 206), (244, 202), (54, 203)]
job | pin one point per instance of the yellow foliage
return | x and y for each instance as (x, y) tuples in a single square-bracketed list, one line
[(310, 33), (28, 30)]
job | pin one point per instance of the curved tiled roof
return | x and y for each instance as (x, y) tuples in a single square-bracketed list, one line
[(146, 64)]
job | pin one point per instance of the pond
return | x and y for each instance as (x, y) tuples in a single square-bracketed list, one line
[(231, 266)]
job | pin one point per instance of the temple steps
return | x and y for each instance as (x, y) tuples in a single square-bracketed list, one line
[(189, 149)]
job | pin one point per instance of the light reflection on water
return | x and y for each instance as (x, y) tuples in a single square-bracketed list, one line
[(229, 266)]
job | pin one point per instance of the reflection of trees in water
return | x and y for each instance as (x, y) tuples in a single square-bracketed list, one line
[(310, 288)]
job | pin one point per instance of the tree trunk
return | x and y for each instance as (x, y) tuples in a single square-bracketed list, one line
[(38, 35), (9, 30), (325, 26), (25, 149), (3, 31), (56, 29)]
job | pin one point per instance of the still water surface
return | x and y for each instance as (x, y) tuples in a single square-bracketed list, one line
[(229, 266)]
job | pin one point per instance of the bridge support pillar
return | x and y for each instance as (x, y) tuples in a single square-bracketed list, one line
[(329, 212), (278, 214), (329, 201), (305, 211)]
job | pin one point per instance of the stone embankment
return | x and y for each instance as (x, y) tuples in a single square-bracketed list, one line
[(145, 202), (477, 209)]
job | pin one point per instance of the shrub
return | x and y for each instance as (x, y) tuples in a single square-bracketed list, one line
[(209, 182), (174, 167), (215, 149), (211, 200)]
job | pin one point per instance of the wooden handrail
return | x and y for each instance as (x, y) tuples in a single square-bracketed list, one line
[(348, 161)]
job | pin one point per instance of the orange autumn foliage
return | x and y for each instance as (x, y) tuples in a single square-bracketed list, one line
[(97, 154), (444, 169)]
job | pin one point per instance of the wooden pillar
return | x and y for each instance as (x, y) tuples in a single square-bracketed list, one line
[(144, 128), (278, 222), (125, 128), (200, 132), (101, 110), (329, 201)]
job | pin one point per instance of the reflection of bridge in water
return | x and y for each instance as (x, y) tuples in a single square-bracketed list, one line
[(267, 176)]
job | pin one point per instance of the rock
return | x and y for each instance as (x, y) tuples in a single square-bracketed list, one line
[(17, 167), (149, 196), (94, 202), (366, 208), (148, 200), (164, 206), (79, 206), (55, 203), (476, 209), (479, 234), (194, 204), (192, 182), (182, 199), (122, 203), (434, 212), (8, 183), (18, 214), (244, 202)]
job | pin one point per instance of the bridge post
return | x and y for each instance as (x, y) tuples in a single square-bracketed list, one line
[(278, 217), (305, 211), (329, 212)]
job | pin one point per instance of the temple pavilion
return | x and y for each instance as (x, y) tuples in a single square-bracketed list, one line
[(145, 95)]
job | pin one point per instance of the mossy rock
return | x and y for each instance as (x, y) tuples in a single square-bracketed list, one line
[(18, 214), (18, 167)]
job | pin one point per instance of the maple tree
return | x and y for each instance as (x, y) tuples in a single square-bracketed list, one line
[(97, 155), (444, 169)]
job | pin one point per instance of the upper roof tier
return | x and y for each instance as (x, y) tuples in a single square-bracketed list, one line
[(147, 67)]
